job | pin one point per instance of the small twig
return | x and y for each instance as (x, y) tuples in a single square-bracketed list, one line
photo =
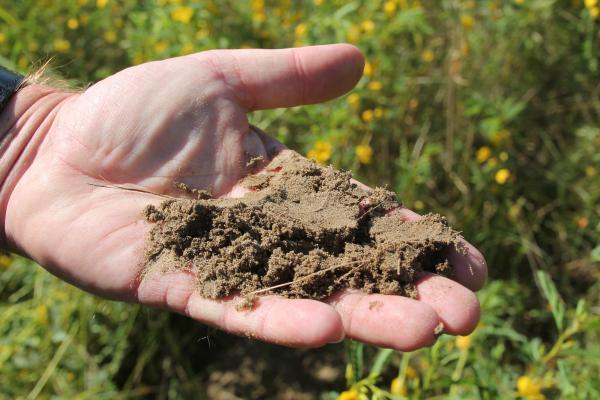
[(302, 278), (130, 189)]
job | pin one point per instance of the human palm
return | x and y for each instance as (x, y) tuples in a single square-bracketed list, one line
[(185, 120)]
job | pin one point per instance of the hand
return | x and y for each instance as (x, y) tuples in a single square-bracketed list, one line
[(184, 119)]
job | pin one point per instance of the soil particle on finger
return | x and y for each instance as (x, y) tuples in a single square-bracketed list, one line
[(302, 231)]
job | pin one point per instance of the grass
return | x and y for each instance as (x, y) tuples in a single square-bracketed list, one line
[(484, 111)]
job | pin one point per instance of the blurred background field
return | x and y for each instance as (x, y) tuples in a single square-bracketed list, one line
[(485, 111)]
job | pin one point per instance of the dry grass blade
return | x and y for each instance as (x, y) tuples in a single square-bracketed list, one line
[(132, 189)]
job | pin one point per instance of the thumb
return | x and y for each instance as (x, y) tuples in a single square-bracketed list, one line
[(286, 77)]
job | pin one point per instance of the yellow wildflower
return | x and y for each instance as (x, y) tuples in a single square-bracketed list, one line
[(161, 46), (349, 395), (367, 115), (187, 48), (503, 156), (101, 3), (139, 59), (419, 205), (529, 388), (375, 86), (492, 162), (389, 8), (2, 38), (353, 34), (82, 2), (364, 153), (354, 101), (500, 136), (42, 314), (317, 2), (61, 45), (300, 30), (398, 387), (463, 342), (110, 36), (590, 171), (483, 154), (321, 152), (5, 261), (72, 23), (411, 373), (591, 3), (182, 14), (368, 26), (502, 176), (467, 21), (582, 222), (368, 69), (378, 112), (519, 2), (427, 56), (594, 12)]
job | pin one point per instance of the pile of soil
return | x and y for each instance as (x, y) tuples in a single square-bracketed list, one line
[(302, 230)]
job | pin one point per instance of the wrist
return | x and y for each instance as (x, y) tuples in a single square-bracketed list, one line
[(24, 123)]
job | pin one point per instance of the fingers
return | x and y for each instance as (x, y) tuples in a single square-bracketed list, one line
[(287, 77), (470, 268), (289, 322), (456, 306), (388, 321)]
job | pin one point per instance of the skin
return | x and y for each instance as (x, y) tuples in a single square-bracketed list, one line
[(185, 119)]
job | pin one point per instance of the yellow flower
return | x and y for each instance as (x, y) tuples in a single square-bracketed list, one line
[(61, 45), (161, 46), (182, 14), (317, 2), (411, 373), (368, 26), (528, 387), (353, 34), (101, 3), (467, 21), (349, 395), (419, 205), (500, 136), (5, 261), (463, 342), (582, 222), (427, 56), (354, 101), (72, 23), (139, 59), (594, 12), (492, 162), (368, 69), (519, 2), (590, 171), (364, 153), (389, 8), (398, 387), (367, 115), (188, 48), (2, 38), (502, 176), (483, 153), (378, 112), (591, 3), (110, 36), (82, 2), (375, 86), (321, 152), (42, 314), (503, 156), (300, 30)]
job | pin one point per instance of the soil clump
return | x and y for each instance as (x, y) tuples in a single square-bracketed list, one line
[(302, 230)]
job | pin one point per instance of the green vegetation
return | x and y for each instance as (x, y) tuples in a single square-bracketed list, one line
[(485, 111)]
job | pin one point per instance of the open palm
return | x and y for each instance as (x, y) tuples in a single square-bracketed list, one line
[(184, 120)]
